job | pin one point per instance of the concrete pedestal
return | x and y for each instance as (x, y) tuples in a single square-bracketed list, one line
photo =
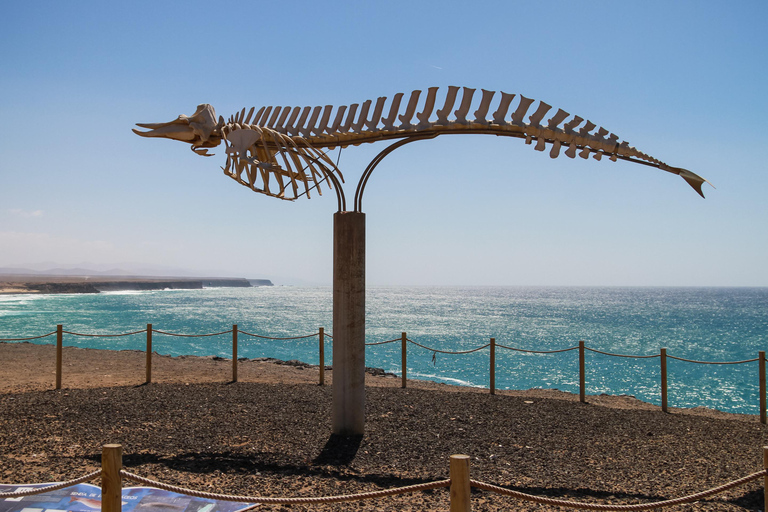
[(348, 323)]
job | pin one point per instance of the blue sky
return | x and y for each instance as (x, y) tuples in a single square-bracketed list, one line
[(682, 81)]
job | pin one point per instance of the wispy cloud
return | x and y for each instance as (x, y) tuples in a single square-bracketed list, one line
[(26, 214)]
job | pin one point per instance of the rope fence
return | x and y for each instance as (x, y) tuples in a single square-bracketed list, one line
[(621, 355), (30, 338), (280, 339), (635, 506), (404, 341), (102, 335), (460, 484), (286, 501), (714, 362), (537, 351), (188, 335), (50, 488)]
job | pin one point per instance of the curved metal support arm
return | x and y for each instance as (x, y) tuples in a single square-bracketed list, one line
[(340, 198), (377, 159)]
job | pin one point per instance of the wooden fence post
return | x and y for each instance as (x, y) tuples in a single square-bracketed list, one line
[(765, 479), (234, 352), (664, 380), (59, 344), (582, 378), (761, 358), (111, 481), (149, 353), (321, 341), (403, 359), (460, 487), (492, 384)]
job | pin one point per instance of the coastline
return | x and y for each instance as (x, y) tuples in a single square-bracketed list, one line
[(268, 434), (31, 367), (49, 284)]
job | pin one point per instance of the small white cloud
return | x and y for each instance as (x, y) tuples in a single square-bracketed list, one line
[(26, 214)]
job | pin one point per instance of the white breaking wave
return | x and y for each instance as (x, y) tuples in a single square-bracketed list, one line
[(440, 378)]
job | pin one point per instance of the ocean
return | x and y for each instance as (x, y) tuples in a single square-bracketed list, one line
[(703, 324)]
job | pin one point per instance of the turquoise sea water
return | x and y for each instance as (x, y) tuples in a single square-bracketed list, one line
[(706, 324)]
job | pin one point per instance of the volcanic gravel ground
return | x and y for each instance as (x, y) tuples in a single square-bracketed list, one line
[(274, 440)]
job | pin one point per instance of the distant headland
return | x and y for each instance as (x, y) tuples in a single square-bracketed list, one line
[(42, 283)]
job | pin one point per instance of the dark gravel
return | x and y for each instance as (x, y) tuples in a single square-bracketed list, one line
[(274, 440)]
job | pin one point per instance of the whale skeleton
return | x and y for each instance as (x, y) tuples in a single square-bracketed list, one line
[(282, 151)]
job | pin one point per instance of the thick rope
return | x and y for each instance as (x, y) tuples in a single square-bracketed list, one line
[(285, 501), (621, 355), (270, 338), (712, 362), (49, 488), (449, 352), (104, 335), (382, 342), (537, 351), (638, 506), (192, 335), (26, 339)]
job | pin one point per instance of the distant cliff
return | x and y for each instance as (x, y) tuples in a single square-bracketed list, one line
[(176, 284), (71, 284), (261, 282), (56, 288), (227, 283), (115, 286)]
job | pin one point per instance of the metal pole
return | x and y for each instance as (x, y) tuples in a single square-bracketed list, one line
[(348, 323)]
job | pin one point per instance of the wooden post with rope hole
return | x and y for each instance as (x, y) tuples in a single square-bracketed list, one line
[(582, 378), (111, 481), (664, 380), (234, 352), (765, 479), (460, 487), (761, 360), (321, 341), (403, 359), (492, 384), (149, 354), (59, 343)]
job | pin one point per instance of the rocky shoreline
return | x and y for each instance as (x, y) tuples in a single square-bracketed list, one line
[(19, 284), (269, 434)]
